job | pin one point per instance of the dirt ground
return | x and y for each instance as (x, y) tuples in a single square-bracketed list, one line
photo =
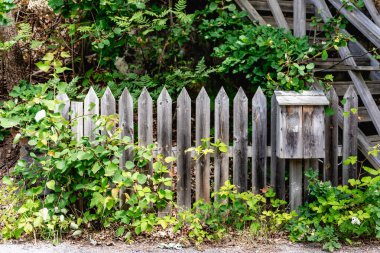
[(83, 247)]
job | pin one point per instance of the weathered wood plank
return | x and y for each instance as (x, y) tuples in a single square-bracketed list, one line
[(126, 123), (164, 133), (222, 126), (253, 15), (107, 108), (350, 134), (240, 159), (299, 20), (64, 107), (295, 183), (360, 21), (259, 141), (76, 116), (290, 132), (277, 165), (277, 14), (313, 131), (370, 5), (183, 143), (91, 108), (330, 166), (202, 125), (145, 122)]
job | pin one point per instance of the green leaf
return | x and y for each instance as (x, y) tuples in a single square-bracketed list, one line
[(213, 6), (310, 66), (120, 231), (129, 165), (325, 55), (65, 55), (43, 66), (50, 185), (40, 115), (95, 168), (141, 178), (82, 155), (111, 169), (7, 180), (9, 122), (48, 57), (170, 159)]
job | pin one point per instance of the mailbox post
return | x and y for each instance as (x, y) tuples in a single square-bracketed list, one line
[(300, 133)]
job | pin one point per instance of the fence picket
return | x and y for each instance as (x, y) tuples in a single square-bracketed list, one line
[(164, 131), (107, 106), (350, 133), (330, 167), (183, 143), (240, 158), (259, 141), (202, 123), (64, 108), (277, 165), (145, 121), (222, 126), (91, 108), (126, 123), (77, 117)]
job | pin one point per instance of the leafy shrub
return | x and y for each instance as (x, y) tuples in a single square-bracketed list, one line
[(261, 215), (342, 213)]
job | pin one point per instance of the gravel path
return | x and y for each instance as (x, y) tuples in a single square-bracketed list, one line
[(70, 247)]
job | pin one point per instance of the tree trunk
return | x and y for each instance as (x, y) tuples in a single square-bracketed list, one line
[(12, 70)]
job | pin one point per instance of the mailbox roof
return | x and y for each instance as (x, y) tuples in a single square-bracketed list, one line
[(310, 97)]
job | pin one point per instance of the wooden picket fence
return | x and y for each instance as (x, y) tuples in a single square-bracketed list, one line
[(254, 154)]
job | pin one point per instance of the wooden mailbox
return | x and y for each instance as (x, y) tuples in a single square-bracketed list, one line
[(300, 124)]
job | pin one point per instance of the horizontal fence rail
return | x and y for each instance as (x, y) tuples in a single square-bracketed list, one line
[(250, 157)]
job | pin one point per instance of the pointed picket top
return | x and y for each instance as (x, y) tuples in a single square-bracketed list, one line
[(240, 96), (350, 93), (222, 95), (164, 97), (108, 103), (91, 108), (331, 94), (202, 97), (91, 93), (259, 97), (64, 106), (145, 96), (183, 95)]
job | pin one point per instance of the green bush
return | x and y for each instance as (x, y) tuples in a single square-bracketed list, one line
[(339, 214)]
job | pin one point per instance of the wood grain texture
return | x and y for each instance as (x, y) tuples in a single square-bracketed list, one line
[(107, 108), (277, 165), (330, 166), (289, 132), (183, 143), (240, 159), (313, 120), (253, 15), (202, 126), (126, 123), (164, 134), (357, 18), (90, 108), (145, 122), (299, 21), (76, 117), (259, 141), (277, 14), (222, 126), (370, 6), (350, 134), (64, 106), (295, 183)]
